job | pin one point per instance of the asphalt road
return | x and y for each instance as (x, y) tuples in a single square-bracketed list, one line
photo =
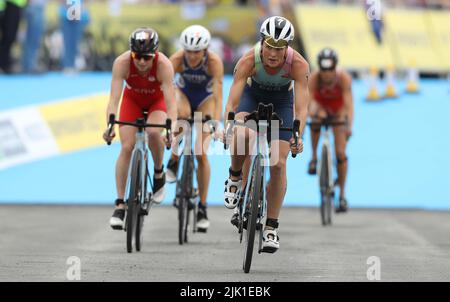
[(37, 241)]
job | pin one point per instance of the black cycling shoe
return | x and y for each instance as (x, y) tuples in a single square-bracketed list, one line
[(116, 221), (235, 219), (343, 206), (312, 167), (202, 220), (159, 191)]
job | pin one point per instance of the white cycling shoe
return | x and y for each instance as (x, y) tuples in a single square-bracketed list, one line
[(270, 242), (232, 198), (159, 189)]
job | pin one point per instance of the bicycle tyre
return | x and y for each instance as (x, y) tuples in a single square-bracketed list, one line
[(185, 191), (182, 220), (325, 207), (254, 195), (140, 217), (133, 202)]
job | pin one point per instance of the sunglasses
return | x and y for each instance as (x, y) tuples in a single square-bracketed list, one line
[(275, 44), (146, 57)]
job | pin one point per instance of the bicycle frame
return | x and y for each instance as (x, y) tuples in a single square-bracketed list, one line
[(325, 170), (138, 199), (253, 202), (261, 154), (186, 196), (140, 147)]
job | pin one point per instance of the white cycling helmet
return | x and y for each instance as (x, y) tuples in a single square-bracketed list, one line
[(278, 31), (195, 37)]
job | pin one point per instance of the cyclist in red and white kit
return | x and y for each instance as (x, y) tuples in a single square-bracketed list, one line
[(331, 96), (148, 76)]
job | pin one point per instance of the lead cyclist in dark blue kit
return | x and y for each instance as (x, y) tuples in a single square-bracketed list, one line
[(271, 72), (198, 89)]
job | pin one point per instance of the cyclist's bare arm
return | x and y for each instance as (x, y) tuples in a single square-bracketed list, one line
[(245, 68), (300, 74), (165, 74), (348, 99), (177, 60), (312, 85), (120, 71), (215, 66)]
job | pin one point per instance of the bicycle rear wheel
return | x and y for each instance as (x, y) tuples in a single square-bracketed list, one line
[(133, 202), (251, 209), (325, 194)]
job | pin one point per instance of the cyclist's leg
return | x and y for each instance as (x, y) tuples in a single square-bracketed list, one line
[(129, 111), (340, 144), (206, 107), (316, 113), (239, 148), (276, 190), (157, 115), (184, 111), (155, 140)]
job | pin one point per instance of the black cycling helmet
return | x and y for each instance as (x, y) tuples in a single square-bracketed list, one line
[(144, 40), (327, 59)]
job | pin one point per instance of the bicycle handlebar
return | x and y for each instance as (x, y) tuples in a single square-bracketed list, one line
[(262, 114), (141, 124), (296, 133), (228, 129)]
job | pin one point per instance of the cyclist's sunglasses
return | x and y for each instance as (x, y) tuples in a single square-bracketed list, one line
[(146, 57), (275, 44)]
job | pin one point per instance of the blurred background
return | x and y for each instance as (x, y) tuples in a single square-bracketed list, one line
[(55, 72)]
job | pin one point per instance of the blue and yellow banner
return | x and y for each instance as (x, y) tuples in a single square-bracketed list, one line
[(347, 30)]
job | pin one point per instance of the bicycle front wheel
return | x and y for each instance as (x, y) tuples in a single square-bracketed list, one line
[(133, 202), (324, 183), (182, 220), (251, 212)]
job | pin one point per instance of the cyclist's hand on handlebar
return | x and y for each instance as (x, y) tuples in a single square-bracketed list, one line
[(110, 137), (295, 149), (225, 137), (167, 142), (217, 133)]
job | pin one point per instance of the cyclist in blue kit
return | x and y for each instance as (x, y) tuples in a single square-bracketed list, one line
[(271, 72), (198, 89)]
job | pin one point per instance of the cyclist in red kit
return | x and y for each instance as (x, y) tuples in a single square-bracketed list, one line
[(148, 76), (331, 96)]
